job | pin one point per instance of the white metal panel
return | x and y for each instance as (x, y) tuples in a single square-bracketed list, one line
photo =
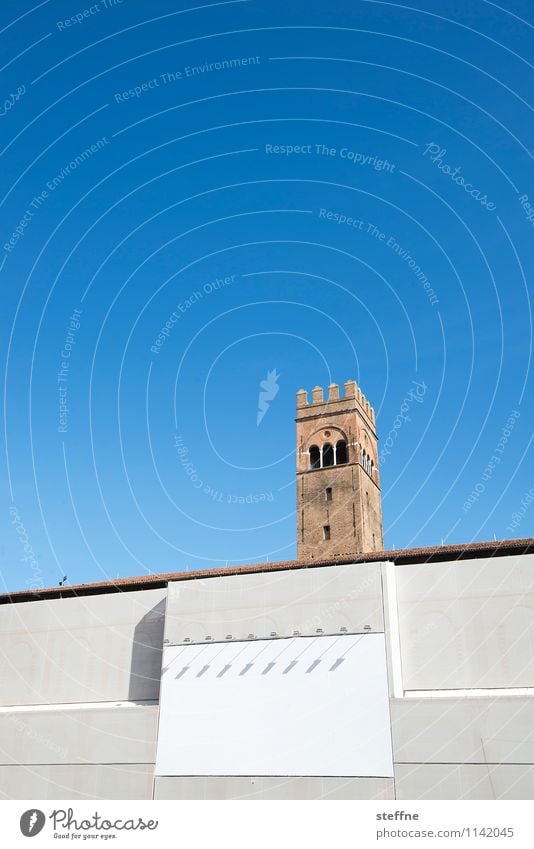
[(79, 781), (327, 599), (464, 781), (268, 787), (304, 706), (102, 734), (93, 648), (467, 623)]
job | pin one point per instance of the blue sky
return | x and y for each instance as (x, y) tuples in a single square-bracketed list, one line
[(328, 190)]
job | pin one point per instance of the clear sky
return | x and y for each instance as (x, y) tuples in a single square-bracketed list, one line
[(197, 196)]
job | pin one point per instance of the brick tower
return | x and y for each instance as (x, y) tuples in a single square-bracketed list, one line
[(338, 488)]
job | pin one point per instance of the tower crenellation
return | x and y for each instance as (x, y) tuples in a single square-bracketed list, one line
[(338, 485), (351, 390)]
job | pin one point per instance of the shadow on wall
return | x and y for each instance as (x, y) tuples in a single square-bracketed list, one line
[(147, 649), (200, 661)]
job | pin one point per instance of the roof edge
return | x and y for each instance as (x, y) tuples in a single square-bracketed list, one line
[(407, 556)]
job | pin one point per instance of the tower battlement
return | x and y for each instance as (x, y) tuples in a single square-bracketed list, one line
[(320, 404)]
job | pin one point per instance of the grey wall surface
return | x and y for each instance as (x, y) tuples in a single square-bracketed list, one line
[(114, 734), (462, 625), (475, 730), (88, 781), (95, 652), (240, 787), (88, 649), (467, 624), (330, 598), (464, 781)]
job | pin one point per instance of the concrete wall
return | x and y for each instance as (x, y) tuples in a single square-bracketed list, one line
[(116, 734), (464, 781), (80, 686), (463, 730), (80, 679), (336, 599), (464, 626), (467, 624), (77, 781), (88, 649), (251, 787)]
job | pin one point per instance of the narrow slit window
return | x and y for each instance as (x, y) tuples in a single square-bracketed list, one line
[(326, 532), (328, 493)]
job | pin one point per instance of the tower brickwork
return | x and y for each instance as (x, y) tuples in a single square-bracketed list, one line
[(339, 511)]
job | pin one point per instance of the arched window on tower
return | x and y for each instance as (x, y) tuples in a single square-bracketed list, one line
[(328, 454), (315, 457), (341, 452)]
